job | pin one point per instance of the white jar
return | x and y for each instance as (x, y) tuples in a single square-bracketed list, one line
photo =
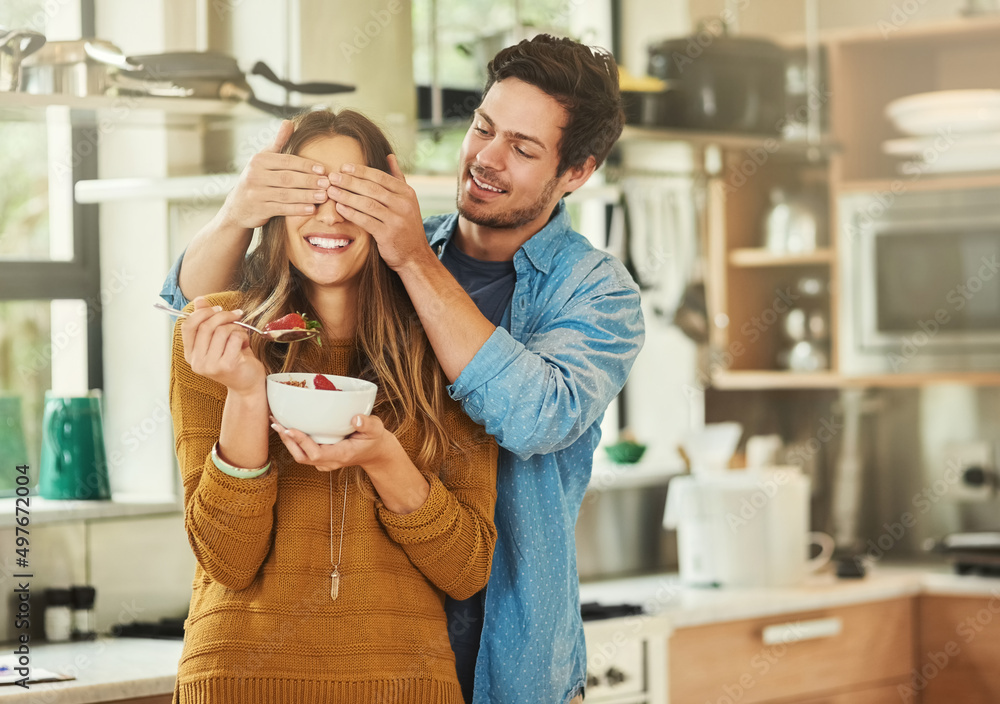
[(58, 615)]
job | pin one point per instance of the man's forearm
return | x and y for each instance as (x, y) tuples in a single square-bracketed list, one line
[(214, 260), (453, 324)]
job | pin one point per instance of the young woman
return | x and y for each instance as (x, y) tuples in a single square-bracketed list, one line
[(322, 570)]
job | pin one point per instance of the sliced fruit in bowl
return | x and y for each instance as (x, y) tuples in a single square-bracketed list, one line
[(302, 401)]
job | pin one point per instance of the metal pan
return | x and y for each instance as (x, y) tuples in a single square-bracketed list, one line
[(15, 46), (212, 75), (81, 67)]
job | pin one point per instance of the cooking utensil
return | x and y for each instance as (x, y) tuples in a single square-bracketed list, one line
[(15, 46), (717, 82), (315, 88), (211, 75), (276, 335), (691, 316), (81, 67)]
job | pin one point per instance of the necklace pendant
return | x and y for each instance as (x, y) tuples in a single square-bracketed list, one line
[(334, 583)]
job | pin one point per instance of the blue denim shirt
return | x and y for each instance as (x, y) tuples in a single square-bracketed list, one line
[(541, 389)]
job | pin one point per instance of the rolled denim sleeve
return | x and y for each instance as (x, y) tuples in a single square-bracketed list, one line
[(539, 396), (171, 291)]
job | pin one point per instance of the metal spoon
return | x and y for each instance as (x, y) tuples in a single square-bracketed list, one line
[(276, 335)]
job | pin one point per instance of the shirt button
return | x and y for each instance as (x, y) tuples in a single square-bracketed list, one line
[(523, 302)]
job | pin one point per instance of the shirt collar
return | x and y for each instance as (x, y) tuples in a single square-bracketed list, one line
[(540, 249)]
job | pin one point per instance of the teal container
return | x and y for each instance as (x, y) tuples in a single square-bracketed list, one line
[(13, 448), (74, 461)]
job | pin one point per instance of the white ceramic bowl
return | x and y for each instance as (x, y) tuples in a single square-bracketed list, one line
[(966, 152), (956, 111), (323, 415)]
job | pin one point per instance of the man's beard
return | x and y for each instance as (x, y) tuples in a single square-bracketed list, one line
[(510, 219)]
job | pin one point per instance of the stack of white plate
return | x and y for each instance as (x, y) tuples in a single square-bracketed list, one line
[(951, 130)]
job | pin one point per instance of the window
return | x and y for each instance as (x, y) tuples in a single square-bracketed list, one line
[(49, 264), (453, 40)]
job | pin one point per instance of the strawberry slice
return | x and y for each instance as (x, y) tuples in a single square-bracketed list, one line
[(294, 321), (324, 384)]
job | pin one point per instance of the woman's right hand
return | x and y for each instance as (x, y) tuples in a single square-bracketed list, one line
[(219, 350), (274, 184)]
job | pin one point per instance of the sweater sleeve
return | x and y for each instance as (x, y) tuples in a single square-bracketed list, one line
[(451, 537), (228, 520)]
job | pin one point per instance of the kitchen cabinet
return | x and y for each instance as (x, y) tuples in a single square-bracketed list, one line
[(856, 653), (622, 659), (959, 648), (866, 70), (878, 695), (751, 289)]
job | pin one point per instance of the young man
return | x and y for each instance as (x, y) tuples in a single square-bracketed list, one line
[(535, 329)]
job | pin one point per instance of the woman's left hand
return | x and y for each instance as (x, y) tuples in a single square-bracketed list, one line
[(371, 446)]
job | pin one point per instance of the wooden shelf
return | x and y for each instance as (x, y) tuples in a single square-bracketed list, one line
[(749, 380), (725, 140), (759, 257), (741, 380), (131, 110), (957, 30), (941, 30), (928, 182)]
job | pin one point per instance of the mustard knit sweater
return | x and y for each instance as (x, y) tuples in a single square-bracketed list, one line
[(262, 628)]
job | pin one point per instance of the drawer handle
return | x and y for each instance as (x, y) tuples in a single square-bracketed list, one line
[(802, 630)]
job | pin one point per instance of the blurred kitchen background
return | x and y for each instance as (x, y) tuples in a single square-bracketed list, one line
[(807, 192)]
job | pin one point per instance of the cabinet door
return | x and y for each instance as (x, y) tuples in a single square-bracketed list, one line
[(793, 657), (889, 694), (959, 650)]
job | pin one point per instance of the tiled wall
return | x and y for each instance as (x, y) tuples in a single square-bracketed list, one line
[(141, 567)]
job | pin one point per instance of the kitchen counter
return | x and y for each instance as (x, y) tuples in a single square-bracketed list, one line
[(125, 668), (105, 669), (672, 605)]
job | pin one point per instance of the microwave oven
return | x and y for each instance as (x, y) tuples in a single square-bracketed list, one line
[(919, 281)]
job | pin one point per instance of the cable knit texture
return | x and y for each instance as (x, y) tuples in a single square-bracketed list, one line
[(262, 628)]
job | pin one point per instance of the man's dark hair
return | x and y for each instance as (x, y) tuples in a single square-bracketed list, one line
[(583, 79)]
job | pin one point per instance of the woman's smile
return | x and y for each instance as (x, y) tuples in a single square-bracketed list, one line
[(329, 244)]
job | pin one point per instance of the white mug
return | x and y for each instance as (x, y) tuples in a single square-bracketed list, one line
[(826, 546)]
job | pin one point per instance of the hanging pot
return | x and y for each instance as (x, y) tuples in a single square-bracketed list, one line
[(15, 46), (717, 82)]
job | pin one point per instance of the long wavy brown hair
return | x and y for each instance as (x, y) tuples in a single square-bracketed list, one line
[(390, 348)]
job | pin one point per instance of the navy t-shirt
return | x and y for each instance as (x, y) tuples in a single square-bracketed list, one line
[(491, 286)]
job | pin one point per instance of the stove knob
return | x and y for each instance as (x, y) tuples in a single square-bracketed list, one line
[(593, 680), (614, 676)]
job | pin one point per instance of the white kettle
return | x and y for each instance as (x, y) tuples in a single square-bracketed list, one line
[(744, 528)]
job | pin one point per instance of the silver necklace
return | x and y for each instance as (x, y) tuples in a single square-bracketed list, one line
[(335, 575)]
